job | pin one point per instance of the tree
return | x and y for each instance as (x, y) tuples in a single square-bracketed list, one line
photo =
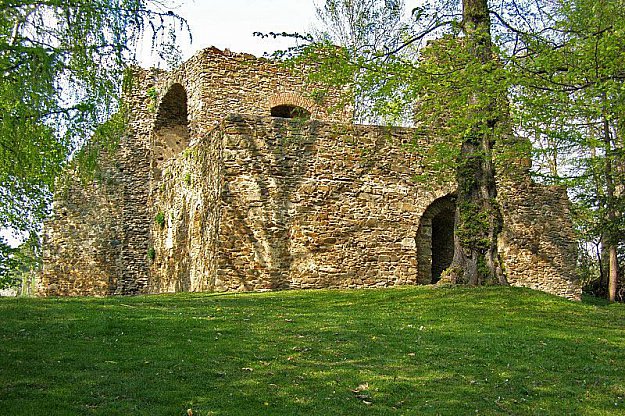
[(362, 28), (559, 63), (24, 266), (478, 218), (62, 65), (573, 97), (459, 80)]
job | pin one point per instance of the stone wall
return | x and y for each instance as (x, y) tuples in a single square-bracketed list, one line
[(268, 203), (538, 244), (184, 242), (310, 205), (299, 205), (219, 83), (83, 240), (133, 161)]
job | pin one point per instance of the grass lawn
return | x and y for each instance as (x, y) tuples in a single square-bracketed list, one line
[(405, 351)]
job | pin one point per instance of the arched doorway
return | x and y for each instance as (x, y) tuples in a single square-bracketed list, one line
[(435, 239), (171, 127)]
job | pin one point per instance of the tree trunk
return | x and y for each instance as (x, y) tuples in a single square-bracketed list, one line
[(478, 218), (612, 282), (612, 239)]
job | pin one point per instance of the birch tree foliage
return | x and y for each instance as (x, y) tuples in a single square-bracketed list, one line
[(62, 65)]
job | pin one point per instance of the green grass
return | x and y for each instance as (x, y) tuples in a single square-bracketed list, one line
[(406, 351)]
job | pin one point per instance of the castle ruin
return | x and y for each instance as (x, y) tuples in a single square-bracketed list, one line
[(234, 176)]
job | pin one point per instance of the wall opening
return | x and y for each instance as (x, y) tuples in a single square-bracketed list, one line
[(290, 111), (442, 242), (435, 239), (171, 128)]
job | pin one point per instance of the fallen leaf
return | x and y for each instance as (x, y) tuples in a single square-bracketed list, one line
[(361, 387)]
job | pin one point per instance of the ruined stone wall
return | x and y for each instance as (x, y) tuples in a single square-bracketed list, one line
[(96, 241), (213, 84), (537, 243), (243, 84), (299, 205), (83, 240), (316, 205), (133, 160), (200, 201), (219, 83), (291, 204), (184, 243)]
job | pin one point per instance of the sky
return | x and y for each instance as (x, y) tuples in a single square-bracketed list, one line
[(231, 23)]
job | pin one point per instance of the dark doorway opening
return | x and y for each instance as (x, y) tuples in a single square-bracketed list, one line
[(442, 242), (171, 128), (290, 111), (435, 239)]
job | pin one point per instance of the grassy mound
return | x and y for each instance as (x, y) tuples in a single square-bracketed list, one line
[(406, 351)]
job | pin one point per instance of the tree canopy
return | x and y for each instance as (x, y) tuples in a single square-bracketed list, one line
[(572, 100)]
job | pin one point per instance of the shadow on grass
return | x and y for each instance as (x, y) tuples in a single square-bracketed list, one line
[(595, 301)]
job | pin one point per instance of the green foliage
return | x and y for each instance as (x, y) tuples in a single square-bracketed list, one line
[(159, 218), (8, 264), (151, 254), (104, 140), (576, 113), (403, 351), (361, 26), (152, 94), (473, 227), (18, 266), (362, 29), (318, 96)]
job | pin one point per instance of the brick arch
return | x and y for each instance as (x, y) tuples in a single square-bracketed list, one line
[(296, 100)]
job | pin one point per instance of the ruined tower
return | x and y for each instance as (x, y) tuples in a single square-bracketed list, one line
[(237, 175)]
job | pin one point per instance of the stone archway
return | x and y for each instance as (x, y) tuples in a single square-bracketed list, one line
[(171, 127), (435, 239)]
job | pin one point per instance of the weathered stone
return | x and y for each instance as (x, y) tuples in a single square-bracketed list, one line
[(208, 192)]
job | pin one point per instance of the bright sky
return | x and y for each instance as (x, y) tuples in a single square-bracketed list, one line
[(230, 23)]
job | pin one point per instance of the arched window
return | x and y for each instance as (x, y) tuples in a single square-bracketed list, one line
[(290, 111), (435, 239), (171, 127)]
